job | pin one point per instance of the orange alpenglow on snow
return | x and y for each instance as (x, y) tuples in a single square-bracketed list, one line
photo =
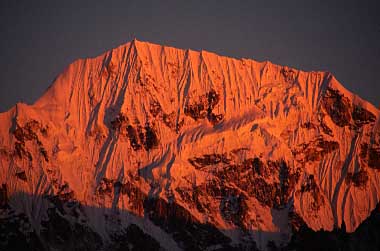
[(188, 150)]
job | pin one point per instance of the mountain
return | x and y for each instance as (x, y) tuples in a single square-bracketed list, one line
[(154, 147)]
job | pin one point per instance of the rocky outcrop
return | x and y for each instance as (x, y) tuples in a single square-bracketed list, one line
[(359, 179), (169, 119), (362, 116), (315, 150), (310, 186), (138, 136), (3, 196), (374, 158), (29, 132), (203, 108), (338, 107), (22, 176)]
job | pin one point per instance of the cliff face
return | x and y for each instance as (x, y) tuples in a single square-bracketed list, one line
[(188, 150)]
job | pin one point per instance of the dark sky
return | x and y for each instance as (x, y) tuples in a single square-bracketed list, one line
[(38, 39)]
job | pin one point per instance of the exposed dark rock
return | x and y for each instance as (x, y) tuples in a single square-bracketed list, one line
[(179, 125), (4, 153), (374, 158), (214, 188), (29, 133), (249, 176), (362, 116), (239, 150), (371, 155), (363, 151), (288, 181), (196, 111), (204, 108), (255, 164), (65, 193), (325, 129), (193, 196), (212, 98), (288, 74), (138, 136), (215, 118), (133, 139), (337, 106), (295, 221), (119, 122), (270, 194), (64, 197), (135, 195), (151, 139), (232, 205), (274, 194), (266, 193), (209, 159), (155, 108), (169, 119), (315, 150), (21, 151), (235, 209), (26, 132), (140, 133), (310, 186), (21, 175), (358, 179), (124, 129), (20, 135), (44, 154), (3, 196), (106, 187), (309, 125)]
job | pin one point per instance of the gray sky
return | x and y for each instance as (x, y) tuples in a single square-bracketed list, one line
[(40, 38)]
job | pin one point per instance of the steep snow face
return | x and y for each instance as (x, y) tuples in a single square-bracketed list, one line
[(150, 135)]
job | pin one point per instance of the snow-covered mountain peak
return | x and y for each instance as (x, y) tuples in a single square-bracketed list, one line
[(147, 138)]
